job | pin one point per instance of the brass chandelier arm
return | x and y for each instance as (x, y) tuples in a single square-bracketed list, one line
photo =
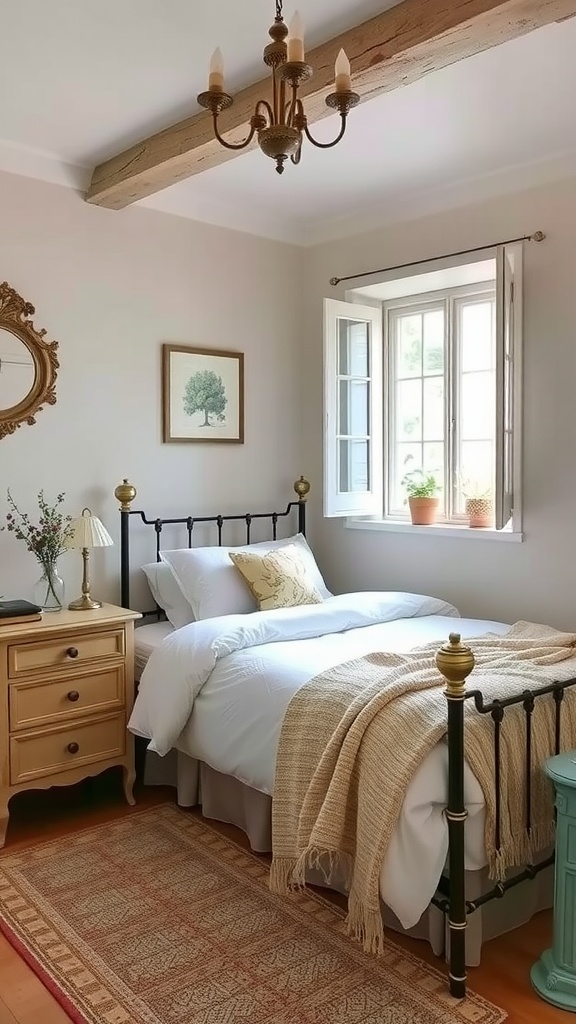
[(275, 98), (232, 145), (327, 145), (282, 101), (297, 156), (267, 108), (293, 107)]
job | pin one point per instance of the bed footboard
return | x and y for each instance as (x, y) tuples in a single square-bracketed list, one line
[(455, 661)]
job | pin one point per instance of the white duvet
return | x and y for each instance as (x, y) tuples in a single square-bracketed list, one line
[(218, 689)]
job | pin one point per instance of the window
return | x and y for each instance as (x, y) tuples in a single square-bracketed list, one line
[(426, 378)]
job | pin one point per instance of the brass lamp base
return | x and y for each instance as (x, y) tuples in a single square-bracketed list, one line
[(84, 604)]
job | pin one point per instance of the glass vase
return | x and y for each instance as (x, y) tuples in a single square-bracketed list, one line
[(49, 590)]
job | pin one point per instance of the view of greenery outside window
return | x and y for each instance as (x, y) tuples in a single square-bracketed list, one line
[(440, 373)]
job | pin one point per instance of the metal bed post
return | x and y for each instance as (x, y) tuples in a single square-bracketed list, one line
[(302, 487), (125, 493), (455, 661)]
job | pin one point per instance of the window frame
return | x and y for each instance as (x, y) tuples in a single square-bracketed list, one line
[(508, 259), (344, 503)]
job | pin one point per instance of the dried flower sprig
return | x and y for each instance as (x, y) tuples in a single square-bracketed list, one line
[(47, 538)]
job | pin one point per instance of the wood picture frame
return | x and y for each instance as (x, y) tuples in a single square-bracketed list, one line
[(202, 395)]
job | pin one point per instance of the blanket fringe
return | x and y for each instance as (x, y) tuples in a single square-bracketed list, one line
[(280, 878), (288, 874), (331, 864), (365, 925), (521, 849)]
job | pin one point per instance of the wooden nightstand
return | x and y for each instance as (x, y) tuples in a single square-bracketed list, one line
[(66, 693)]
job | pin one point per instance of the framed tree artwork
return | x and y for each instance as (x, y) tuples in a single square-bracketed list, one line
[(202, 394)]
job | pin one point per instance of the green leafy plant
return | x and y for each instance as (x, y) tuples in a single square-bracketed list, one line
[(421, 485)]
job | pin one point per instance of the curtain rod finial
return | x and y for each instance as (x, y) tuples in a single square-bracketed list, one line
[(538, 236), (334, 281)]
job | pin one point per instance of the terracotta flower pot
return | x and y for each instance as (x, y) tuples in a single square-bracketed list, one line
[(480, 512), (423, 511)]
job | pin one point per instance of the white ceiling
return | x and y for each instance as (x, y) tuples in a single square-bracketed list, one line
[(80, 82)]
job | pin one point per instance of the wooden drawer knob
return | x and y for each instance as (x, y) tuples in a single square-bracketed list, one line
[(73, 696), (72, 748), (72, 652)]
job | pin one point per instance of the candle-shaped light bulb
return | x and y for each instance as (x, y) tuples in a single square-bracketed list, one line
[(296, 39), (342, 72), (216, 78)]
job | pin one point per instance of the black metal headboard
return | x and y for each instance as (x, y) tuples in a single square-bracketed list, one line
[(126, 492)]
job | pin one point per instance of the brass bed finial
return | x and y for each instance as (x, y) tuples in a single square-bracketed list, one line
[(125, 493), (302, 488), (455, 661)]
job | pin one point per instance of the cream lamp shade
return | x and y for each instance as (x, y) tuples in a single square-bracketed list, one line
[(87, 531)]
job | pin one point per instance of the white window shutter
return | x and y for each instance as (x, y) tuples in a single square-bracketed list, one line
[(353, 395), (508, 382)]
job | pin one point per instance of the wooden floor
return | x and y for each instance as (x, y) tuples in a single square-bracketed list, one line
[(506, 961)]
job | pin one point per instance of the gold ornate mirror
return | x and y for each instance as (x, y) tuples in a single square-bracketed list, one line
[(28, 364)]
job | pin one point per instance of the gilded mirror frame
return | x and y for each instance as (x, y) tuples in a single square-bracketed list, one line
[(15, 315)]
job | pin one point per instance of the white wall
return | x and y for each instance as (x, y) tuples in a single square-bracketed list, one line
[(110, 287), (535, 579)]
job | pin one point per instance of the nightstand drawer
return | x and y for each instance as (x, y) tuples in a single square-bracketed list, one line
[(66, 653), (47, 752), (36, 704)]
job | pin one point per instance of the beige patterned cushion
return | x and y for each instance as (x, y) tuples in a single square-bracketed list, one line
[(277, 579)]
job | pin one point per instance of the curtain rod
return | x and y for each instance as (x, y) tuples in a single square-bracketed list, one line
[(538, 236)]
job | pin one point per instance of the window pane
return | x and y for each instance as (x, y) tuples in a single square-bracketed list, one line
[(477, 411), (353, 461), (409, 410), (434, 341), (406, 457), (409, 361), (353, 348), (354, 415), (477, 469), (433, 408), (477, 336), (433, 461)]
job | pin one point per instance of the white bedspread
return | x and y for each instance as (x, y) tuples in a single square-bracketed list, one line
[(218, 690)]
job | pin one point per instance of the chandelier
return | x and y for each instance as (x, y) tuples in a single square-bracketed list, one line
[(282, 124)]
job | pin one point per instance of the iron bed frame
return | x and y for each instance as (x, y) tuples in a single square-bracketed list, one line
[(455, 662)]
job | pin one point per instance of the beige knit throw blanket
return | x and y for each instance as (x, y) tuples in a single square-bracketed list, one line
[(353, 737)]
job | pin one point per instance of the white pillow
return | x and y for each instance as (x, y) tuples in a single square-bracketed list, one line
[(167, 593), (213, 586)]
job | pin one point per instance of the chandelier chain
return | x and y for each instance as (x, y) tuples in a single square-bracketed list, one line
[(279, 10)]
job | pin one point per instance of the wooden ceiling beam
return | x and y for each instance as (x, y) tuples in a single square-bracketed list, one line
[(395, 48)]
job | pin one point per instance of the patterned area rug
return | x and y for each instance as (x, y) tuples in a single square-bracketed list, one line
[(158, 919)]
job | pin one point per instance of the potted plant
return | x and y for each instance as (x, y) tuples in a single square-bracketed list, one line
[(422, 492), (479, 503)]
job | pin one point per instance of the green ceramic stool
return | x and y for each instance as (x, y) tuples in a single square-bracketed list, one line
[(554, 976)]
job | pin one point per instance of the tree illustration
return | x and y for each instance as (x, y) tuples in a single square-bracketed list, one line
[(205, 392)]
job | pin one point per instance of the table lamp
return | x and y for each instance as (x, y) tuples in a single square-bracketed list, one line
[(86, 531)]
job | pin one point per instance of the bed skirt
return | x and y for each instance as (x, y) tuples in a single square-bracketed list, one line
[(224, 798)]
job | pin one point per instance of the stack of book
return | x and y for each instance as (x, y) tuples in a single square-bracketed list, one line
[(12, 612)]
